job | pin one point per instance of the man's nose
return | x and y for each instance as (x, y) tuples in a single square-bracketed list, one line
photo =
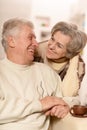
[(35, 43)]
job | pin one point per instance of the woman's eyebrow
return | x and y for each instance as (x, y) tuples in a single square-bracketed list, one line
[(60, 44)]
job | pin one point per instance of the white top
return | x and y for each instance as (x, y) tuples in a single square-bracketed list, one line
[(21, 88)]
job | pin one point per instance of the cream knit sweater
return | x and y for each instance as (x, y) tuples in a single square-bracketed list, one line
[(21, 88)]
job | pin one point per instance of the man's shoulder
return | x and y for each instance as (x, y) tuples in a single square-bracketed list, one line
[(42, 65), (45, 69)]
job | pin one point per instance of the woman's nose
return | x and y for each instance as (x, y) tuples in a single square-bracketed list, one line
[(52, 45)]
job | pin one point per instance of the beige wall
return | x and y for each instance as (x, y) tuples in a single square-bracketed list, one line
[(55, 9), (11, 9)]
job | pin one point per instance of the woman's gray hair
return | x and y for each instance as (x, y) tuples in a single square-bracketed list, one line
[(12, 27), (78, 38)]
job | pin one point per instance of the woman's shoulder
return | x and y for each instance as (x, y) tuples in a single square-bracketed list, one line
[(41, 48)]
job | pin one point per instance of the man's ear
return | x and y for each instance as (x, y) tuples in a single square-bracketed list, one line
[(11, 41)]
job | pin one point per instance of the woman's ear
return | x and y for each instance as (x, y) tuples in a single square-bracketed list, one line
[(11, 41)]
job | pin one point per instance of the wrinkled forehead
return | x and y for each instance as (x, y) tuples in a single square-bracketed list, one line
[(28, 30), (61, 38), (61, 35)]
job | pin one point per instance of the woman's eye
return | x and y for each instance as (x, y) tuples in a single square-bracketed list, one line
[(59, 45), (52, 38)]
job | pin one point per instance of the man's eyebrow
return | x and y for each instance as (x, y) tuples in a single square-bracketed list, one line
[(32, 35)]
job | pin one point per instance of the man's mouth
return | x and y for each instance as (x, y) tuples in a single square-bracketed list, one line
[(31, 50)]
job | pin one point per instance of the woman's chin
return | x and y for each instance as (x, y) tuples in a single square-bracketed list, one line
[(49, 56)]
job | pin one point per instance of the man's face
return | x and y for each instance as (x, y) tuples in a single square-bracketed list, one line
[(25, 44), (57, 46)]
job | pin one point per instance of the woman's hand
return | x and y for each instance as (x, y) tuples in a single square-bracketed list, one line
[(51, 101)]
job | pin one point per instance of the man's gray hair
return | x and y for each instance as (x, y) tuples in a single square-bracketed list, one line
[(12, 27)]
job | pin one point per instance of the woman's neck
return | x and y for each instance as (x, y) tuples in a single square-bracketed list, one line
[(61, 60)]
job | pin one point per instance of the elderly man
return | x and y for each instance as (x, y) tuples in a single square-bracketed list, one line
[(29, 92)]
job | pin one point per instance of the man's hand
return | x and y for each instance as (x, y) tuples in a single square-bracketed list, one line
[(59, 111), (51, 101)]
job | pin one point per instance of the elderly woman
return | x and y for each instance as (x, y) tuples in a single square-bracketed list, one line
[(62, 52)]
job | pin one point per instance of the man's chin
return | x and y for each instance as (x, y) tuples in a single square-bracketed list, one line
[(31, 58)]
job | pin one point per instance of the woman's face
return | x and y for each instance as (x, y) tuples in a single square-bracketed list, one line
[(57, 46)]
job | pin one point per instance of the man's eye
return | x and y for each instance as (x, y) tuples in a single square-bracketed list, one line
[(30, 38)]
